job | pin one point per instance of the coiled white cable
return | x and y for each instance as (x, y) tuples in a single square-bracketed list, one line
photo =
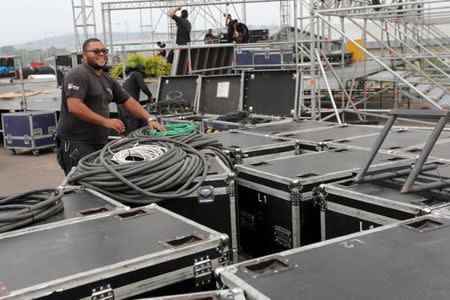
[(138, 153)]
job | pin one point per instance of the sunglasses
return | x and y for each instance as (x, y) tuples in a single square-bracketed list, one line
[(98, 51)]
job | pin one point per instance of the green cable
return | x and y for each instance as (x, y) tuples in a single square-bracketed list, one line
[(174, 129)]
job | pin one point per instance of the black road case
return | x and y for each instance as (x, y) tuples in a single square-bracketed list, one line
[(330, 134), (29, 130), (82, 202), (396, 139), (275, 205), (242, 145), (348, 207), (232, 294), (111, 256), (213, 205), (287, 126), (410, 260)]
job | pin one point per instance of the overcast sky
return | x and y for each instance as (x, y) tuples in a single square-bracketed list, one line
[(22, 21)]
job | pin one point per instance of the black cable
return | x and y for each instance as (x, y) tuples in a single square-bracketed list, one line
[(244, 118), (175, 174), (173, 103), (199, 141), (30, 207)]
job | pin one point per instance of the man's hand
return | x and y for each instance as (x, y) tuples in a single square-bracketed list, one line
[(156, 125), (115, 124), (178, 7)]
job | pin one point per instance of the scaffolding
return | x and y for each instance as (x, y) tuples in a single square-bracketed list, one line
[(405, 55), (84, 25), (400, 55)]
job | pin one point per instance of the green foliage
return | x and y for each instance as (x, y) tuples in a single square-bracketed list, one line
[(155, 65)]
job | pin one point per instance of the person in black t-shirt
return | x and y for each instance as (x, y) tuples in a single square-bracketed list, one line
[(161, 45), (210, 38), (84, 121), (243, 34), (184, 27), (133, 84), (230, 28)]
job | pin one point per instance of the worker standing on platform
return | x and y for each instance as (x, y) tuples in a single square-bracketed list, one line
[(84, 123), (184, 28), (243, 35), (230, 28), (133, 85)]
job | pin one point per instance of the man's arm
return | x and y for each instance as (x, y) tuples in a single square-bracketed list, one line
[(227, 20), (174, 11), (81, 111), (136, 109)]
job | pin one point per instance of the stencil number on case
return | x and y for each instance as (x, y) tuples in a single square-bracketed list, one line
[(352, 243)]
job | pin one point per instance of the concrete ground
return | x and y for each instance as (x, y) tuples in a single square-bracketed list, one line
[(23, 171)]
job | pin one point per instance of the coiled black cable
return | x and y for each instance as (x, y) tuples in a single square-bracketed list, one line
[(197, 140), (175, 174), (173, 103), (243, 117), (30, 207)]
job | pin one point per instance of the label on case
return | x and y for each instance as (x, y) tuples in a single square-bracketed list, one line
[(37, 131)]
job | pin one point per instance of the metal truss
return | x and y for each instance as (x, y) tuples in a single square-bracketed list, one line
[(83, 21), (412, 54), (208, 11)]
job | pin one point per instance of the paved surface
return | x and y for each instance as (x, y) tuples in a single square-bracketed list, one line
[(23, 171)]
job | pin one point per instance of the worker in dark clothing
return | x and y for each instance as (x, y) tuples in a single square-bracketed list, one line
[(230, 28), (84, 122), (210, 38), (243, 34), (162, 46), (184, 28), (133, 86)]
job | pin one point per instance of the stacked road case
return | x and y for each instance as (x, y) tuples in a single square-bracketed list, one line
[(275, 205), (408, 260), (109, 256)]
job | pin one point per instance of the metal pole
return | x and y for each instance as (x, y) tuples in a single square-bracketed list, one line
[(341, 85), (375, 148), (328, 87), (407, 187), (22, 86), (406, 61), (312, 61), (386, 67)]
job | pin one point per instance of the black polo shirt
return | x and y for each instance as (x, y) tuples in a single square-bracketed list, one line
[(96, 92), (183, 30)]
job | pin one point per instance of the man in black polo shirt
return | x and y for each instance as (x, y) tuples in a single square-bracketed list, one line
[(184, 28), (84, 122)]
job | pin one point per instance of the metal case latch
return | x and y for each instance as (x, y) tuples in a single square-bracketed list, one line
[(282, 236), (103, 293), (205, 194), (202, 271)]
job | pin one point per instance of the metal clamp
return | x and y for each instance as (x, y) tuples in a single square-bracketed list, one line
[(231, 189), (319, 197), (295, 195), (202, 271), (103, 293)]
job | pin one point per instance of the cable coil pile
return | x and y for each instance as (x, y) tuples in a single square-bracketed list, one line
[(167, 176), (30, 207), (199, 141)]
